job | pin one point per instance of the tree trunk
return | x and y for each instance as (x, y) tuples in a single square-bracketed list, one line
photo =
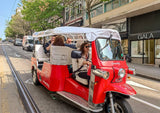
[(89, 18), (89, 14), (64, 21)]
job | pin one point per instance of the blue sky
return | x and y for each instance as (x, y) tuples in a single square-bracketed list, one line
[(7, 9)]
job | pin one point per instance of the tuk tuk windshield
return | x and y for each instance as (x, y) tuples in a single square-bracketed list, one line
[(109, 49)]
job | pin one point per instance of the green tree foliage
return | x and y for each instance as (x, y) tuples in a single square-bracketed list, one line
[(0, 39), (19, 25), (40, 13), (9, 30)]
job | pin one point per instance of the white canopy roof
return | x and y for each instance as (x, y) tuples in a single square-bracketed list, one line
[(91, 33)]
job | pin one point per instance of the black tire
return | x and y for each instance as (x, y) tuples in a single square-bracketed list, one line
[(120, 106), (34, 77)]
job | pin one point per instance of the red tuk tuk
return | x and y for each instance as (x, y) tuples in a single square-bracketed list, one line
[(107, 91)]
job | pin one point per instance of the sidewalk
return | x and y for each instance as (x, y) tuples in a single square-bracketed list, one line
[(10, 101), (147, 71)]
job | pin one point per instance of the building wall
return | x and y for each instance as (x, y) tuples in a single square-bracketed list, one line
[(157, 61), (137, 60), (134, 8), (74, 14)]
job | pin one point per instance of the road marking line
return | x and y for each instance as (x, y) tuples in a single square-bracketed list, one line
[(144, 102), (29, 81), (140, 85), (17, 55)]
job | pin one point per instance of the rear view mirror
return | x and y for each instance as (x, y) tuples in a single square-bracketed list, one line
[(76, 54)]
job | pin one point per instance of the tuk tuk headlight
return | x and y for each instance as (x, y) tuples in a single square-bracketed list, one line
[(121, 73), (101, 73)]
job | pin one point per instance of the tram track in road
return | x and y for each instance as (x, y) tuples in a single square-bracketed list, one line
[(19, 53), (39, 93), (52, 103), (26, 98)]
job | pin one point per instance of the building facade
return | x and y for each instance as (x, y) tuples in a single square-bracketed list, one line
[(144, 38), (74, 14), (137, 22)]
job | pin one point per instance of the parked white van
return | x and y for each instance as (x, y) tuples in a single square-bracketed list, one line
[(27, 43)]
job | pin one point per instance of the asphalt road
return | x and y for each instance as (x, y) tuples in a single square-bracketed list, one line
[(147, 99)]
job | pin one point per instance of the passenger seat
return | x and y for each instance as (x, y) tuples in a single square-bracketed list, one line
[(39, 53), (75, 66)]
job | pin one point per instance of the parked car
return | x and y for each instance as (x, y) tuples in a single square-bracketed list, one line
[(18, 42), (4, 40), (11, 40), (27, 43)]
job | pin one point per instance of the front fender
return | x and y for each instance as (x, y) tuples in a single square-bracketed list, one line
[(121, 88)]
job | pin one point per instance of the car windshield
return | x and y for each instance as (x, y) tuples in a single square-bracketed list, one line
[(109, 49), (18, 40), (30, 41)]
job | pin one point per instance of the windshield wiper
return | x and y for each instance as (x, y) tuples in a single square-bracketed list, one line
[(106, 43)]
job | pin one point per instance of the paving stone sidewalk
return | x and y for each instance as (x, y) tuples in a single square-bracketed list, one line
[(148, 71), (10, 101)]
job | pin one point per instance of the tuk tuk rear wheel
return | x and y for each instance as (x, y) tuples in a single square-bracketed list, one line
[(120, 106), (34, 77)]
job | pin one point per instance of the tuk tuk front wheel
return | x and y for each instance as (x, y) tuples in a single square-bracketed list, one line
[(34, 77), (120, 106)]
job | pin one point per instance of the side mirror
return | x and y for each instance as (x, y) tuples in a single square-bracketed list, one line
[(76, 54)]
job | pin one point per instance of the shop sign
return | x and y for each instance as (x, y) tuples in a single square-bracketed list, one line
[(145, 36)]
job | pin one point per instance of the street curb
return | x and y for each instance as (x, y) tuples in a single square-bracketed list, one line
[(148, 77)]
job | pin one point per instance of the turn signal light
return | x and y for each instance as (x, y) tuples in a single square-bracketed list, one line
[(131, 71)]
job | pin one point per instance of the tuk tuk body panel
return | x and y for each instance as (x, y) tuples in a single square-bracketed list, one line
[(53, 76), (103, 86), (121, 88), (58, 77), (33, 62), (75, 88), (100, 86), (95, 58), (113, 67)]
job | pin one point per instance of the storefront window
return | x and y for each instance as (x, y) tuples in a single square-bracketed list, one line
[(115, 4), (72, 12), (157, 48), (146, 48), (123, 2), (137, 48), (93, 13), (124, 44), (67, 15), (99, 10), (79, 10), (149, 51), (108, 6)]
